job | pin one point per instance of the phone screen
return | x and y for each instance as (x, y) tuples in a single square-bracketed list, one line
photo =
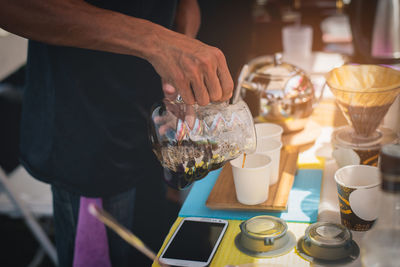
[(194, 241)]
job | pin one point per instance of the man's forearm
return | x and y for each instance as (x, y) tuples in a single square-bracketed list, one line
[(198, 71), (187, 19), (76, 23)]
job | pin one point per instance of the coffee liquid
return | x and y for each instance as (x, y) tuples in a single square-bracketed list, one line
[(188, 161)]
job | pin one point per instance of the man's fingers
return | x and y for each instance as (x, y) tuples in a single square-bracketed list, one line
[(197, 71), (213, 87), (186, 93), (169, 91), (159, 120), (164, 129), (200, 92), (168, 88), (224, 77), (194, 73)]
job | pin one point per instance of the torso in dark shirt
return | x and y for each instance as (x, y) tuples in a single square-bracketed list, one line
[(83, 122)]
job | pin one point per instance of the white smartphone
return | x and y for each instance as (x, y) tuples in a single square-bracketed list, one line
[(194, 242)]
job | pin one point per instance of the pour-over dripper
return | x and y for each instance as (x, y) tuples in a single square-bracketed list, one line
[(364, 94)]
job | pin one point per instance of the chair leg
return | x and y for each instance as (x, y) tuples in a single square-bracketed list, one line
[(29, 219), (38, 258)]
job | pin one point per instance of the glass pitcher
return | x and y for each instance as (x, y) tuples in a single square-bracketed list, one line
[(192, 140)]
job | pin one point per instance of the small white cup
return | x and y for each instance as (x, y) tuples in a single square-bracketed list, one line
[(271, 148), (267, 130), (252, 181)]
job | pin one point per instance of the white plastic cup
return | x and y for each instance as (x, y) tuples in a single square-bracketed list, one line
[(271, 148), (358, 192), (267, 130), (297, 40), (252, 181)]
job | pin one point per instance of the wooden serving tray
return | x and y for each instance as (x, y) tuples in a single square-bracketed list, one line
[(223, 194)]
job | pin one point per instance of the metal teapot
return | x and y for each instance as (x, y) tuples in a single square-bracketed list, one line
[(278, 92)]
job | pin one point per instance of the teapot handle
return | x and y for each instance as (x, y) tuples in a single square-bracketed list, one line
[(319, 97), (237, 89)]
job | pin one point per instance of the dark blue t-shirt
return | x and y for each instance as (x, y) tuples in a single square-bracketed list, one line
[(84, 125)]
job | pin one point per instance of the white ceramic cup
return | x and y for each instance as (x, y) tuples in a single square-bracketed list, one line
[(271, 148), (358, 191), (268, 130), (252, 181)]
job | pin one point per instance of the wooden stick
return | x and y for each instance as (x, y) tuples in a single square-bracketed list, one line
[(127, 235)]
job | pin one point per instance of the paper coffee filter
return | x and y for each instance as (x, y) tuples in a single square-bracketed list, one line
[(366, 78), (364, 85)]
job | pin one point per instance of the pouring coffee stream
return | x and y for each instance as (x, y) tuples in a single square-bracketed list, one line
[(244, 159)]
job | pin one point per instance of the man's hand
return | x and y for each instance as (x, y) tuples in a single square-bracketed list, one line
[(197, 71), (170, 92)]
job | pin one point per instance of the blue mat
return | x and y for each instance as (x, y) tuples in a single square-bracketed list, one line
[(302, 205)]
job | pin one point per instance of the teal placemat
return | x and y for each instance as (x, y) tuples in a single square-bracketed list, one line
[(302, 204)]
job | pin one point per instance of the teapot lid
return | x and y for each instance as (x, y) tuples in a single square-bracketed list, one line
[(273, 66), (279, 79)]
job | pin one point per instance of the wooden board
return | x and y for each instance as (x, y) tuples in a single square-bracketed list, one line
[(223, 195), (305, 138)]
